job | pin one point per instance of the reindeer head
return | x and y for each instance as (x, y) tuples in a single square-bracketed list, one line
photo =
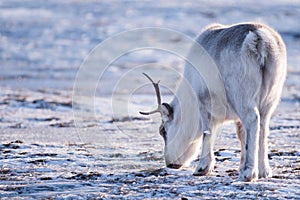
[(178, 149)]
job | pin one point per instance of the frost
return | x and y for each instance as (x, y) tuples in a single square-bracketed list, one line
[(45, 153)]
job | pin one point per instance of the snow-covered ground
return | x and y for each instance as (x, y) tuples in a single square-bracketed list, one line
[(49, 148)]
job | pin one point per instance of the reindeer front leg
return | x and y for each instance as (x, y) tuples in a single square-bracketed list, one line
[(207, 160)]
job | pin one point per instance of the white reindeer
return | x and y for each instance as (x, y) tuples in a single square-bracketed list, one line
[(251, 58)]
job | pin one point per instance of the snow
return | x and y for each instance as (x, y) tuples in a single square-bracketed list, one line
[(51, 148)]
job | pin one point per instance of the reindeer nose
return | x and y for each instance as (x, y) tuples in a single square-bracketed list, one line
[(174, 166)]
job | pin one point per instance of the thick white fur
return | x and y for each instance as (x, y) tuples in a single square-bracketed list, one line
[(184, 139), (251, 58)]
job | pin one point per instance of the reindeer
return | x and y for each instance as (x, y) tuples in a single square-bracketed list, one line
[(251, 59)]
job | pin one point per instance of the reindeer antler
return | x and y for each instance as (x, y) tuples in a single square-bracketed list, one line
[(156, 87)]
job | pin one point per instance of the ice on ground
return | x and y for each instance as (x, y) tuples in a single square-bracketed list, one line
[(48, 151)]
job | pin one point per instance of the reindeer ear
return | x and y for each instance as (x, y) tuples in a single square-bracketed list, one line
[(167, 112)]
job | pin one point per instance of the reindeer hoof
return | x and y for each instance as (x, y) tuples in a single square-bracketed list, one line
[(265, 172), (204, 167), (248, 175), (202, 172)]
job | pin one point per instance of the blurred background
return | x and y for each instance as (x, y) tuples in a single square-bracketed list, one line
[(43, 43), (42, 154)]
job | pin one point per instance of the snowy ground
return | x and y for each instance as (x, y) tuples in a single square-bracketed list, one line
[(47, 152)]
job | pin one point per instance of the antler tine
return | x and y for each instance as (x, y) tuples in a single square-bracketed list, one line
[(149, 113), (156, 87)]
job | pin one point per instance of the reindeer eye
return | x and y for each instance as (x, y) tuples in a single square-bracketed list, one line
[(162, 132)]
